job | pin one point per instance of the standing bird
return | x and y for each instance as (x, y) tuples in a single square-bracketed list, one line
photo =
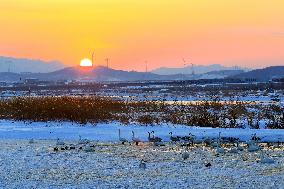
[(174, 138), (253, 147), (83, 141), (142, 164), (134, 139), (122, 140), (192, 138), (156, 139), (150, 139), (60, 142), (220, 150), (240, 148)]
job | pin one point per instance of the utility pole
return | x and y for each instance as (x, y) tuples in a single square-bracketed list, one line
[(146, 66), (192, 69), (184, 67), (107, 62), (93, 54), (9, 65)]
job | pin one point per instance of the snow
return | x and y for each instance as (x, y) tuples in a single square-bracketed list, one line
[(108, 132), (113, 165), (110, 165)]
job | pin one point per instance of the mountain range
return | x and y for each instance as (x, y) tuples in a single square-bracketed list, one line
[(18, 65), (264, 74), (101, 73), (197, 69)]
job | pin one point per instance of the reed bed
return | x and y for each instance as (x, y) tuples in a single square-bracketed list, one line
[(97, 109)]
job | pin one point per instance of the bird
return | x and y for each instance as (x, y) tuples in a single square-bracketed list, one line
[(55, 149), (142, 164), (159, 144), (255, 138), (60, 142), (220, 150), (253, 147), (155, 139), (192, 138), (185, 155), (208, 164), (240, 148), (134, 139), (31, 141), (122, 140), (207, 141), (234, 150), (266, 159), (150, 139), (174, 138), (83, 141), (88, 148), (72, 147), (215, 144)]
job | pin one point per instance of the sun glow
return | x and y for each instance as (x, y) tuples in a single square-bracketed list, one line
[(86, 63)]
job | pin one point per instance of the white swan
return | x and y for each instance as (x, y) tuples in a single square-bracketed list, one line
[(266, 159), (253, 147), (122, 140), (220, 150), (83, 141), (60, 142), (134, 139)]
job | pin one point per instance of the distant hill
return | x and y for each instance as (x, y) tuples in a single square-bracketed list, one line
[(101, 73), (264, 74), (198, 69), (18, 65), (98, 73), (220, 74)]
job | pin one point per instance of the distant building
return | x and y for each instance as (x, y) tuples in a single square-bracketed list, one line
[(278, 80), (250, 79), (31, 81), (3, 84)]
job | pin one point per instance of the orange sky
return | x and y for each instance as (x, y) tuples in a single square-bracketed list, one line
[(230, 32)]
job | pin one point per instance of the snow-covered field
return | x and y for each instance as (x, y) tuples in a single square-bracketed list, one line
[(113, 165), (24, 165)]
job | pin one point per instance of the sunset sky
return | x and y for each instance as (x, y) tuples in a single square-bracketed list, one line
[(230, 32)]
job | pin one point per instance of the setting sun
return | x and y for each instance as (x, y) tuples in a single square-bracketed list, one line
[(86, 63)]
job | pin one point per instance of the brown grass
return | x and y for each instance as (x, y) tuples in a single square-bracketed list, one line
[(102, 109)]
